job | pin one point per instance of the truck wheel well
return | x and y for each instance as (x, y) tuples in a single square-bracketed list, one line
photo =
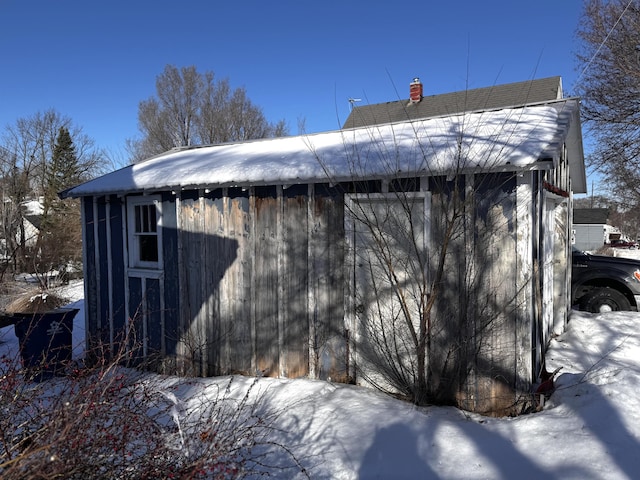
[(586, 287)]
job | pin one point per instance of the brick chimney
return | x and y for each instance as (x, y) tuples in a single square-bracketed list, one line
[(415, 91)]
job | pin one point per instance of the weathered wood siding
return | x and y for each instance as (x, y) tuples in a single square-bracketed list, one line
[(193, 262), (265, 296), (294, 268), (169, 315), (91, 274), (452, 318), (254, 281), (104, 271), (232, 317), (249, 265), (328, 334), (481, 325), (116, 267), (561, 265), (496, 322)]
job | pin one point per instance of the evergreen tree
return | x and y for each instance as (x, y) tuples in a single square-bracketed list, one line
[(64, 171), (59, 241)]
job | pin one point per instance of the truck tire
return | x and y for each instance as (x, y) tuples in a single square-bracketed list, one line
[(601, 300)]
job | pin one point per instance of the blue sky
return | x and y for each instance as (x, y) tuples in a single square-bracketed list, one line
[(298, 60)]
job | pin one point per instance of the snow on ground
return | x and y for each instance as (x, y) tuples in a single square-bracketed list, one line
[(589, 429)]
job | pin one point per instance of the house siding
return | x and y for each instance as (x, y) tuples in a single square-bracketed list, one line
[(117, 264), (293, 290), (90, 272), (265, 281), (103, 256), (258, 281), (496, 259), (240, 271), (135, 291), (169, 318)]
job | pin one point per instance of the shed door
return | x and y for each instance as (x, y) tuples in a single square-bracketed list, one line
[(390, 277)]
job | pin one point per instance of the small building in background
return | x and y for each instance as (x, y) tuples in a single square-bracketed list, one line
[(591, 229)]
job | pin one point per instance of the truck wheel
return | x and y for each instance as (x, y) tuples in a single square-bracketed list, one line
[(601, 300)]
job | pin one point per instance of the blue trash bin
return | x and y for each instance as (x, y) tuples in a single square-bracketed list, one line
[(45, 341)]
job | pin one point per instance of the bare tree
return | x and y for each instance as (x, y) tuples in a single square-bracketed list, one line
[(193, 108), (27, 173), (609, 85)]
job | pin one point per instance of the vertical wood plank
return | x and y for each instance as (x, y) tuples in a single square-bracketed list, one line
[(118, 261), (214, 260), (281, 271), (170, 293), (192, 314), (331, 319), (561, 255), (204, 315), (106, 325), (230, 254), (312, 302), (91, 280), (524, 312), (496, 261), (266, 281), (293, 278), (238, 248)]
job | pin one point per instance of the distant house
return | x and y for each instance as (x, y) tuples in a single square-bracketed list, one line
[(29, 216), (591, 229), (242, 257), (31, 220)]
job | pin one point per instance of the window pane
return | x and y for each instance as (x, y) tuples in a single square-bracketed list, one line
[(138, 219), (153, 223), (148, 248), (145, 218)]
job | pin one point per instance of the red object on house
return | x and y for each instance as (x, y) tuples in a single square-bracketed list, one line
[(547, 385), (415, 91)]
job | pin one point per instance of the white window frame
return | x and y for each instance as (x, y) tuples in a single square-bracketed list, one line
[(132, 237)]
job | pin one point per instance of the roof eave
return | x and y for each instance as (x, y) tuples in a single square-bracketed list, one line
[(541, 164), (575, 154)]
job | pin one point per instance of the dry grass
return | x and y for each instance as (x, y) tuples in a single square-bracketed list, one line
[(35, 302)]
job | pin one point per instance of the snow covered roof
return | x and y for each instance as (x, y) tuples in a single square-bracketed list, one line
[(498, 140), (32, 207)]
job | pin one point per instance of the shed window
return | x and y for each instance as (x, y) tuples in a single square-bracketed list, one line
[(144, 221)]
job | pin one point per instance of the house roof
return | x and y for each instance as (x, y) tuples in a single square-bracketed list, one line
[(592, 216), (508, 139), (479, 99)]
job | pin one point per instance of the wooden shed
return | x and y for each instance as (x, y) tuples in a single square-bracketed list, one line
[(253, 257)]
